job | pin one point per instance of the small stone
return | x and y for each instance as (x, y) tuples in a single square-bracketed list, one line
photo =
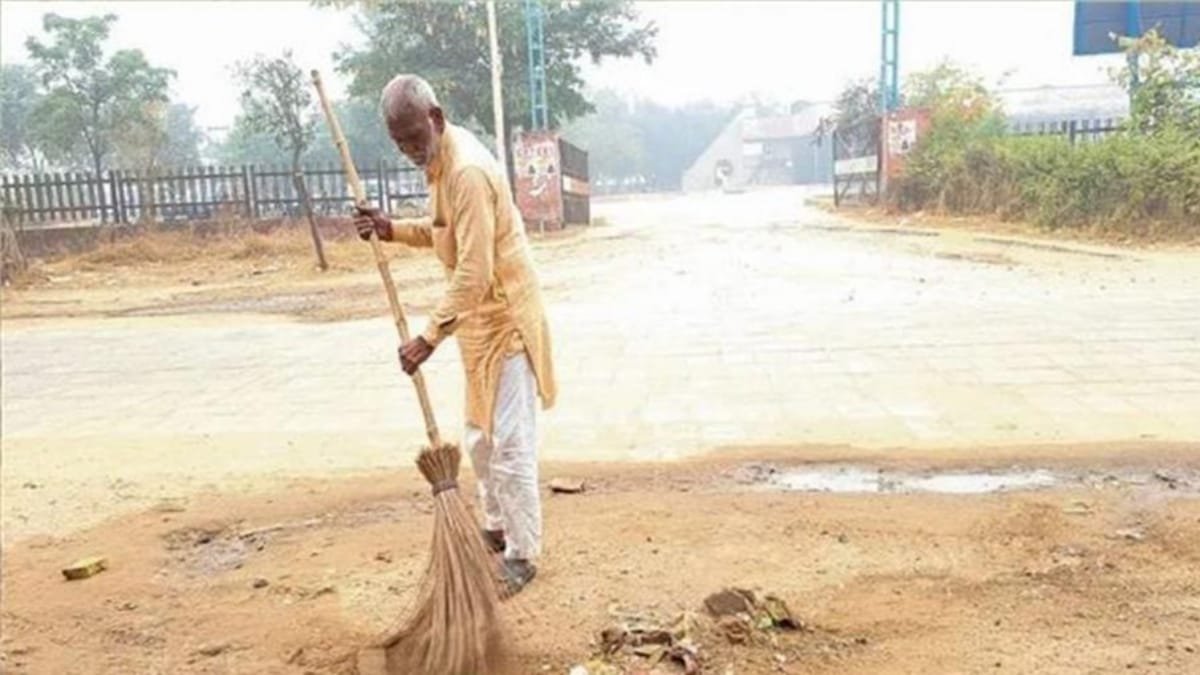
[(842, 539), (261, 583), (214, 649), (730, 601), (567, 486), (85, 567), (127, 606), (30, 485), (1131, 534), (384, 556)]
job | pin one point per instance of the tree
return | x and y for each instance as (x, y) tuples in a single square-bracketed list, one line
[(645, 140), (277, 100), (1163, 84), (168, 138), (615, 145), (245, 145), (365, 134), (675, 137), (90, 100), (183, 137), (19, 96), (446, 43), (855, 118)]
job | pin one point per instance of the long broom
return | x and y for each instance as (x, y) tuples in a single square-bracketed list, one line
[(454, 627)]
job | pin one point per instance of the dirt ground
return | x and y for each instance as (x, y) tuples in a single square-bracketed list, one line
[(270, 273), (266, 571), (1093, 576)]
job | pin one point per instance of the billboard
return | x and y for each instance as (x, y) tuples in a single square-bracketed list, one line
[(1096, 21)]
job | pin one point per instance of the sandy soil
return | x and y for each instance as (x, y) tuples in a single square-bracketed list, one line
[(1098, 575)]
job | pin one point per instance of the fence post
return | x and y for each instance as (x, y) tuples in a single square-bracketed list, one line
[(247, 197), (114, 183), (833, 141)]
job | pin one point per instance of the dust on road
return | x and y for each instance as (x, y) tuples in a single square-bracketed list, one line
[(248, 476)]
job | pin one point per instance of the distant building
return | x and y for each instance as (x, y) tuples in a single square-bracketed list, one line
[(764, 150), (783, 150)]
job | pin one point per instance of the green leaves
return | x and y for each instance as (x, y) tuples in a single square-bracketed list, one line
[(1145, 177), (1163, 82), (90, 101), (20, 95), (446, 43), (277, 101)]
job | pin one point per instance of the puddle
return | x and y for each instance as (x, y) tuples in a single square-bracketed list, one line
[(859, 479)]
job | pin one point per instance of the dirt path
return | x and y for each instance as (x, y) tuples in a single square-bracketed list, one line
[(1093, 576), (210, 438)]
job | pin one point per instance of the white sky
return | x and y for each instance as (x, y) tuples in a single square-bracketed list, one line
[(718, 49)]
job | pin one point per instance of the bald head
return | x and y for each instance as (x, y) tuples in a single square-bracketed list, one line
[(407, 95), (413, 118)]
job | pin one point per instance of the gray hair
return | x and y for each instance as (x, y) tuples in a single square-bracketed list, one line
[(406, 93)]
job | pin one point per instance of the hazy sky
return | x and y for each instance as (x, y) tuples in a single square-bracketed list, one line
[(719, 50)]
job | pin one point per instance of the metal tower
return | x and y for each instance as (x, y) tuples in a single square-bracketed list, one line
[(889, 62), (540, 112)]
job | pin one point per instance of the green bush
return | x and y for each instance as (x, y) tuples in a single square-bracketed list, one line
[(1126, 180), (1145, 176)]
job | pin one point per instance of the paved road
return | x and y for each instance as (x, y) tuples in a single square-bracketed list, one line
[(687, 324)]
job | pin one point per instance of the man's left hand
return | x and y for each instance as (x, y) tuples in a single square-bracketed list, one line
[(413, 353)]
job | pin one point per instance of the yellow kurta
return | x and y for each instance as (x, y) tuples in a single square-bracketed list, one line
[(493, 304)]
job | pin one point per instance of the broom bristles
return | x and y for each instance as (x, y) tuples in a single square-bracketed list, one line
[(454, 627)]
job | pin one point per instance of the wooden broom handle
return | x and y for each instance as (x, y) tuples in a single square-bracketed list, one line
[(360, 199)]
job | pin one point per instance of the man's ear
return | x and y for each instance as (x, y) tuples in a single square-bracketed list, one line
[(439, 120)]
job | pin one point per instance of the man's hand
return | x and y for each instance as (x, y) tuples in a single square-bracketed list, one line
[(413, 353), (370, 219)]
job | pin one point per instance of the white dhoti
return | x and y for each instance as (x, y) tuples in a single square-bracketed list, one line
[(506, 464)]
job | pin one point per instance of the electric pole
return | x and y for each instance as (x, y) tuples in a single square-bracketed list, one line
[(536, 46), (497, 96), (889, 62)]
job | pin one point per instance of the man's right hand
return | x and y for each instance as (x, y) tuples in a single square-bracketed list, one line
[(370, 219)]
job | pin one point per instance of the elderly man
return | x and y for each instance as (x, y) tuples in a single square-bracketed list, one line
[(493, 305)]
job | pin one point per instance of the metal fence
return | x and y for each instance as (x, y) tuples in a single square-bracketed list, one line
[(856, 162), (197, 193), (1076, 131)]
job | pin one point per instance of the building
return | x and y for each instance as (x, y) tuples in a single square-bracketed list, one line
[(764, 150)]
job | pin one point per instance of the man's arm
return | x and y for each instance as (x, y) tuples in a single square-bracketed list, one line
[(474, 216), (417, 232), (410, 231)]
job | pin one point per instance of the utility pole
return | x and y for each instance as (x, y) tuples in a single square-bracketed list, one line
[(497, 96), (889, 62), (536, 45)]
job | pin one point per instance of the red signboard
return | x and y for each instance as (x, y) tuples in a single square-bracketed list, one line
[(538, 176), (902, 130)]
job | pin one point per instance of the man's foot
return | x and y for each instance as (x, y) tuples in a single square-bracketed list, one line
[(516, 575), (494, 540)]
